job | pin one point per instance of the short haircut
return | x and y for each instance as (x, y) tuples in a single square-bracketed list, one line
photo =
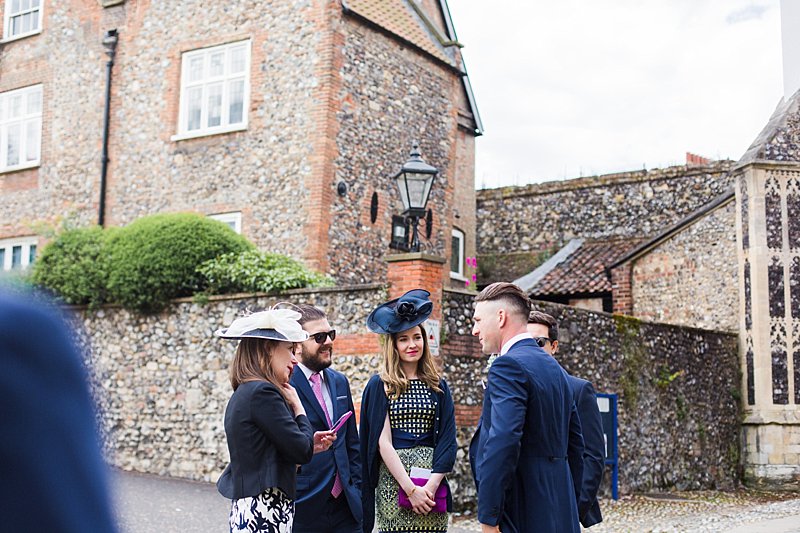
[(512, 296), (309, 313), (537, 317)]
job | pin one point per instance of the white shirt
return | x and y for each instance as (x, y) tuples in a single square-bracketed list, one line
[(512, 341), (326, 395)]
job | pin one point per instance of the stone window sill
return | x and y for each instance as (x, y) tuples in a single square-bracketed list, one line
[(206, 133), (5, 40), (26, 166)]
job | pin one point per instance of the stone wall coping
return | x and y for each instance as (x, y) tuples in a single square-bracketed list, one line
[(604, 180), (767, 165), (411, 256), (578, 310), (465, 292), (243, 295)]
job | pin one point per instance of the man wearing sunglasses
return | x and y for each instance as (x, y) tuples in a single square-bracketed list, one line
[(544, 330), (329, 487)]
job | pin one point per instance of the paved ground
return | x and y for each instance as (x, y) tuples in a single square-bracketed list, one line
[(146, 504)]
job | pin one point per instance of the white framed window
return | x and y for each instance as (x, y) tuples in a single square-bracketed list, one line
[(17, 254), (457, 255), (215, 90), (20, 128), (22, 18), (234, 220)]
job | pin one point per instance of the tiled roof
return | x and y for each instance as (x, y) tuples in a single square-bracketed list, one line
[(399, 18), (581, 269)]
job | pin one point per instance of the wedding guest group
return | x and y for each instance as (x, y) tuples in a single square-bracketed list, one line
[(300, 462)]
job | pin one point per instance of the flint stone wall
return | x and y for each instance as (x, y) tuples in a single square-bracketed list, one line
[(162, 384), (519, 227)]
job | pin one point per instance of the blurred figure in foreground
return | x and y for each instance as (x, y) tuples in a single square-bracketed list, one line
[(54, 477)]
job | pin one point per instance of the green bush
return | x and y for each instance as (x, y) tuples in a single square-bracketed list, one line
[(254, 271), (155, 258), (75, 266)]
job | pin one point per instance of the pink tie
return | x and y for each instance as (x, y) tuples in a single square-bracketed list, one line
[(316, 386)]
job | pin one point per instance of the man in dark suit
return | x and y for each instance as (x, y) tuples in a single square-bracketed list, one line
[(54, 477), (544, 330), (527, 453), (329, 487)]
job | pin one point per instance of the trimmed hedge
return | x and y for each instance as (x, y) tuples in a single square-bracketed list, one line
[(255, 271), (155, 258), (75, 266)]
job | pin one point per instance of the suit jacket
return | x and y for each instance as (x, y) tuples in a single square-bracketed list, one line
[(265, 441), (594, 453), (54, 477), (527, 453), (374, 406), (315, 479)]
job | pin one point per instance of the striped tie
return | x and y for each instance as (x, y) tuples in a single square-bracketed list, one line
[(316, 386)]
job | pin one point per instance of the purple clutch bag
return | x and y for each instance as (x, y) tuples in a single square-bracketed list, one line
[(440, 497)]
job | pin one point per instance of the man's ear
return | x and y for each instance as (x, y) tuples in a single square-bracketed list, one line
[(502, 317), (555, 347)]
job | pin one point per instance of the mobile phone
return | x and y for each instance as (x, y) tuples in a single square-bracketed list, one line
[(342, 419)]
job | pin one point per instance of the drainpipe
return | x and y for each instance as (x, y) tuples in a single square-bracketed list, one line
[(110, 45)]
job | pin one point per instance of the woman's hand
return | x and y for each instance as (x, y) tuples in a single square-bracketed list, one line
[(421, 500), (293, 400), (323, 440)]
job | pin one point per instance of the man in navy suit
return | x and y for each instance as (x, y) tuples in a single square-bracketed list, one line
[(527, 453), (54, 477), (329, 487), (544, 330)]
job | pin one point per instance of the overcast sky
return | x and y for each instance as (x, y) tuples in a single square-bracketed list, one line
[(570, 88)]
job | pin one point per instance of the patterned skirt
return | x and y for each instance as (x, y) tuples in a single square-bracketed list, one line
[(269, 512), (392, 518)]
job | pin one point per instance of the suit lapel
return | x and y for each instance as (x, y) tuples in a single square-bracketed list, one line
[(307, 395), (332, 390)]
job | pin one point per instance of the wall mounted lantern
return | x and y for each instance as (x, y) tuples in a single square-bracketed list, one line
[(414, 181)]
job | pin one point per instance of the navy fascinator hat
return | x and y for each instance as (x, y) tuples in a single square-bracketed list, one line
[(400, 314)]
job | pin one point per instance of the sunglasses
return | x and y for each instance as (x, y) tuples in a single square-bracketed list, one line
[(319, 338), (541, 341)]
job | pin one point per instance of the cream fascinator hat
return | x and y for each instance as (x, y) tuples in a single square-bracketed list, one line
[(275, 324)]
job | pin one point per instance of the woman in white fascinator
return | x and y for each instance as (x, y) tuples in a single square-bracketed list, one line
[(266, 426)]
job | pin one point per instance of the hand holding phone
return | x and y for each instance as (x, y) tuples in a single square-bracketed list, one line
[(342, 419)]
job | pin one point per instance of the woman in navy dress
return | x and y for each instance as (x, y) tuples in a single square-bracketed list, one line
[(407, 420)]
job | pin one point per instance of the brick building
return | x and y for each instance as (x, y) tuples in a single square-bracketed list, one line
[(285, 119)]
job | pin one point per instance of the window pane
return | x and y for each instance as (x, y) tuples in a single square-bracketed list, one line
[(35, 20), (214, 105), (217, 65), (15, 106), (34, 102), (16, 257), (194, 107), (24, 5), (32, 254), (34, 3), (32, 132), (196, 68), (237, 59), (455, 254), (14, 6), (25, 23), (236, 99), (15, 26), (12, 145), (2, 258)]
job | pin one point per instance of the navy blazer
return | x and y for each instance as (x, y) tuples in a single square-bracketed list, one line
[(315, 479), (594, 453), (374, 406), (527, 453), (265, 441), (53, 472)]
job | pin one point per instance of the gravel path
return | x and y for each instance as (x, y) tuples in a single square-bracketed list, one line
[(737, 512)]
